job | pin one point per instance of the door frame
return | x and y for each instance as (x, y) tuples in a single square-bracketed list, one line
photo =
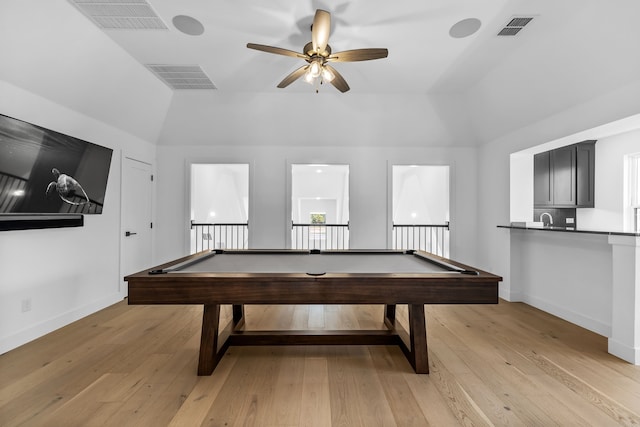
[(123, 158), (288, 215)]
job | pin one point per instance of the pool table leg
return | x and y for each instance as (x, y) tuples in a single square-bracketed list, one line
[(209, 339), (416, 352), (238, 315), (418, 338), (390, 315)]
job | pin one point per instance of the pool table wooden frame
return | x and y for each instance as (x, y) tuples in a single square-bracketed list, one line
[(467, 286)]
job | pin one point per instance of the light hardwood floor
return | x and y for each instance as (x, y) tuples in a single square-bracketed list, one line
[(505, 364)]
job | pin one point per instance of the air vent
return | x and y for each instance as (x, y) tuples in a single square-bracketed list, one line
[(181, 77), (514, 25), (120, 14), (507, 31)]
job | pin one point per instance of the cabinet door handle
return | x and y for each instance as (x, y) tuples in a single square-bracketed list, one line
[(129, 233)]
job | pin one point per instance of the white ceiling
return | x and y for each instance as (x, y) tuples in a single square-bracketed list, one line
[(416, 33), (432, 89)]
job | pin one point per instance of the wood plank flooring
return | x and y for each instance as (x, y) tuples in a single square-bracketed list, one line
[(505, 364)]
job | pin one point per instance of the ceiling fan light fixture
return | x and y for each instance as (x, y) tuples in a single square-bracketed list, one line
[(327, 75), (316, 68), (308, 78)]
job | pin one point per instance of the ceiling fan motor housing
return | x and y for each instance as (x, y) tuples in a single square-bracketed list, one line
[(308, 50)]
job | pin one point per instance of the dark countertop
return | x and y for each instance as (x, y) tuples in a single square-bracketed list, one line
[(571, 230)]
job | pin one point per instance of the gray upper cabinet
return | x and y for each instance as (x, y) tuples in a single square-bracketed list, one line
[(586, 168), (563, 162), (564, 177), (542, 173)]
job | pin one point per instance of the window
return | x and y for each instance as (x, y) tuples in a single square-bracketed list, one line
[(318, 218)]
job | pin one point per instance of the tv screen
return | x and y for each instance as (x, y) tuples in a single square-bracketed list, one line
[(43, 171)]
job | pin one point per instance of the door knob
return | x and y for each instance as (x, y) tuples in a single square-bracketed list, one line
[(129, 233)]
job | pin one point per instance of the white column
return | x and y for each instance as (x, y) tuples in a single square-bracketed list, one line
[(625, 323)]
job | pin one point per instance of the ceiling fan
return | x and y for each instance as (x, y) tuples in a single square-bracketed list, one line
[(317, 53)]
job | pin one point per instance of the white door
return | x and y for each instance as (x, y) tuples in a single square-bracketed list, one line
[(136, 220)]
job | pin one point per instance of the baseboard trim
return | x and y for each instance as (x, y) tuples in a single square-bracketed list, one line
[(624, 352), (38, 330), (581, 320)]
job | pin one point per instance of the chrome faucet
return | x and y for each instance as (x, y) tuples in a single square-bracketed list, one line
[(550, 218)]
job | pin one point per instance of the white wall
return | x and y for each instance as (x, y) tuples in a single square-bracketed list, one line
[(326, 119), (269, 225), (609, 187), (67, 273), (521, 187), (565, 274)]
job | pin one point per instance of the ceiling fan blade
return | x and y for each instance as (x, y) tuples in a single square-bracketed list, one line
[(338, 81), (358, 55), (277, 50), (320, 30), (293, 76)]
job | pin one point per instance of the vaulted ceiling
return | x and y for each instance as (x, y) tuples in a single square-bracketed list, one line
[(434, 88)]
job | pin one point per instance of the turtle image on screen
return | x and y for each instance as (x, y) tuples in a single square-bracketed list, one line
[(68, 189)]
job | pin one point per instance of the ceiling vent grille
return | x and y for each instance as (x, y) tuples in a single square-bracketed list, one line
[(514, 25), (120, 14), (181, 77)]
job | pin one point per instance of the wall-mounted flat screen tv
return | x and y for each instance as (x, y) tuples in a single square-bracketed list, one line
[(47, 172)]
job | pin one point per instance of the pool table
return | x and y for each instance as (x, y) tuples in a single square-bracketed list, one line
[(239, 277)]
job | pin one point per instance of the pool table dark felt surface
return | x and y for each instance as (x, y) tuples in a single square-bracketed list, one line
[(344, 277)]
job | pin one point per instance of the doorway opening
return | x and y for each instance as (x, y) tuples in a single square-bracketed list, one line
[(319, 206), (219, 207), (420, 207)]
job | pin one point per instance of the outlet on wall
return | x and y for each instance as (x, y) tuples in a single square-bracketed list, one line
[(26, 305)]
